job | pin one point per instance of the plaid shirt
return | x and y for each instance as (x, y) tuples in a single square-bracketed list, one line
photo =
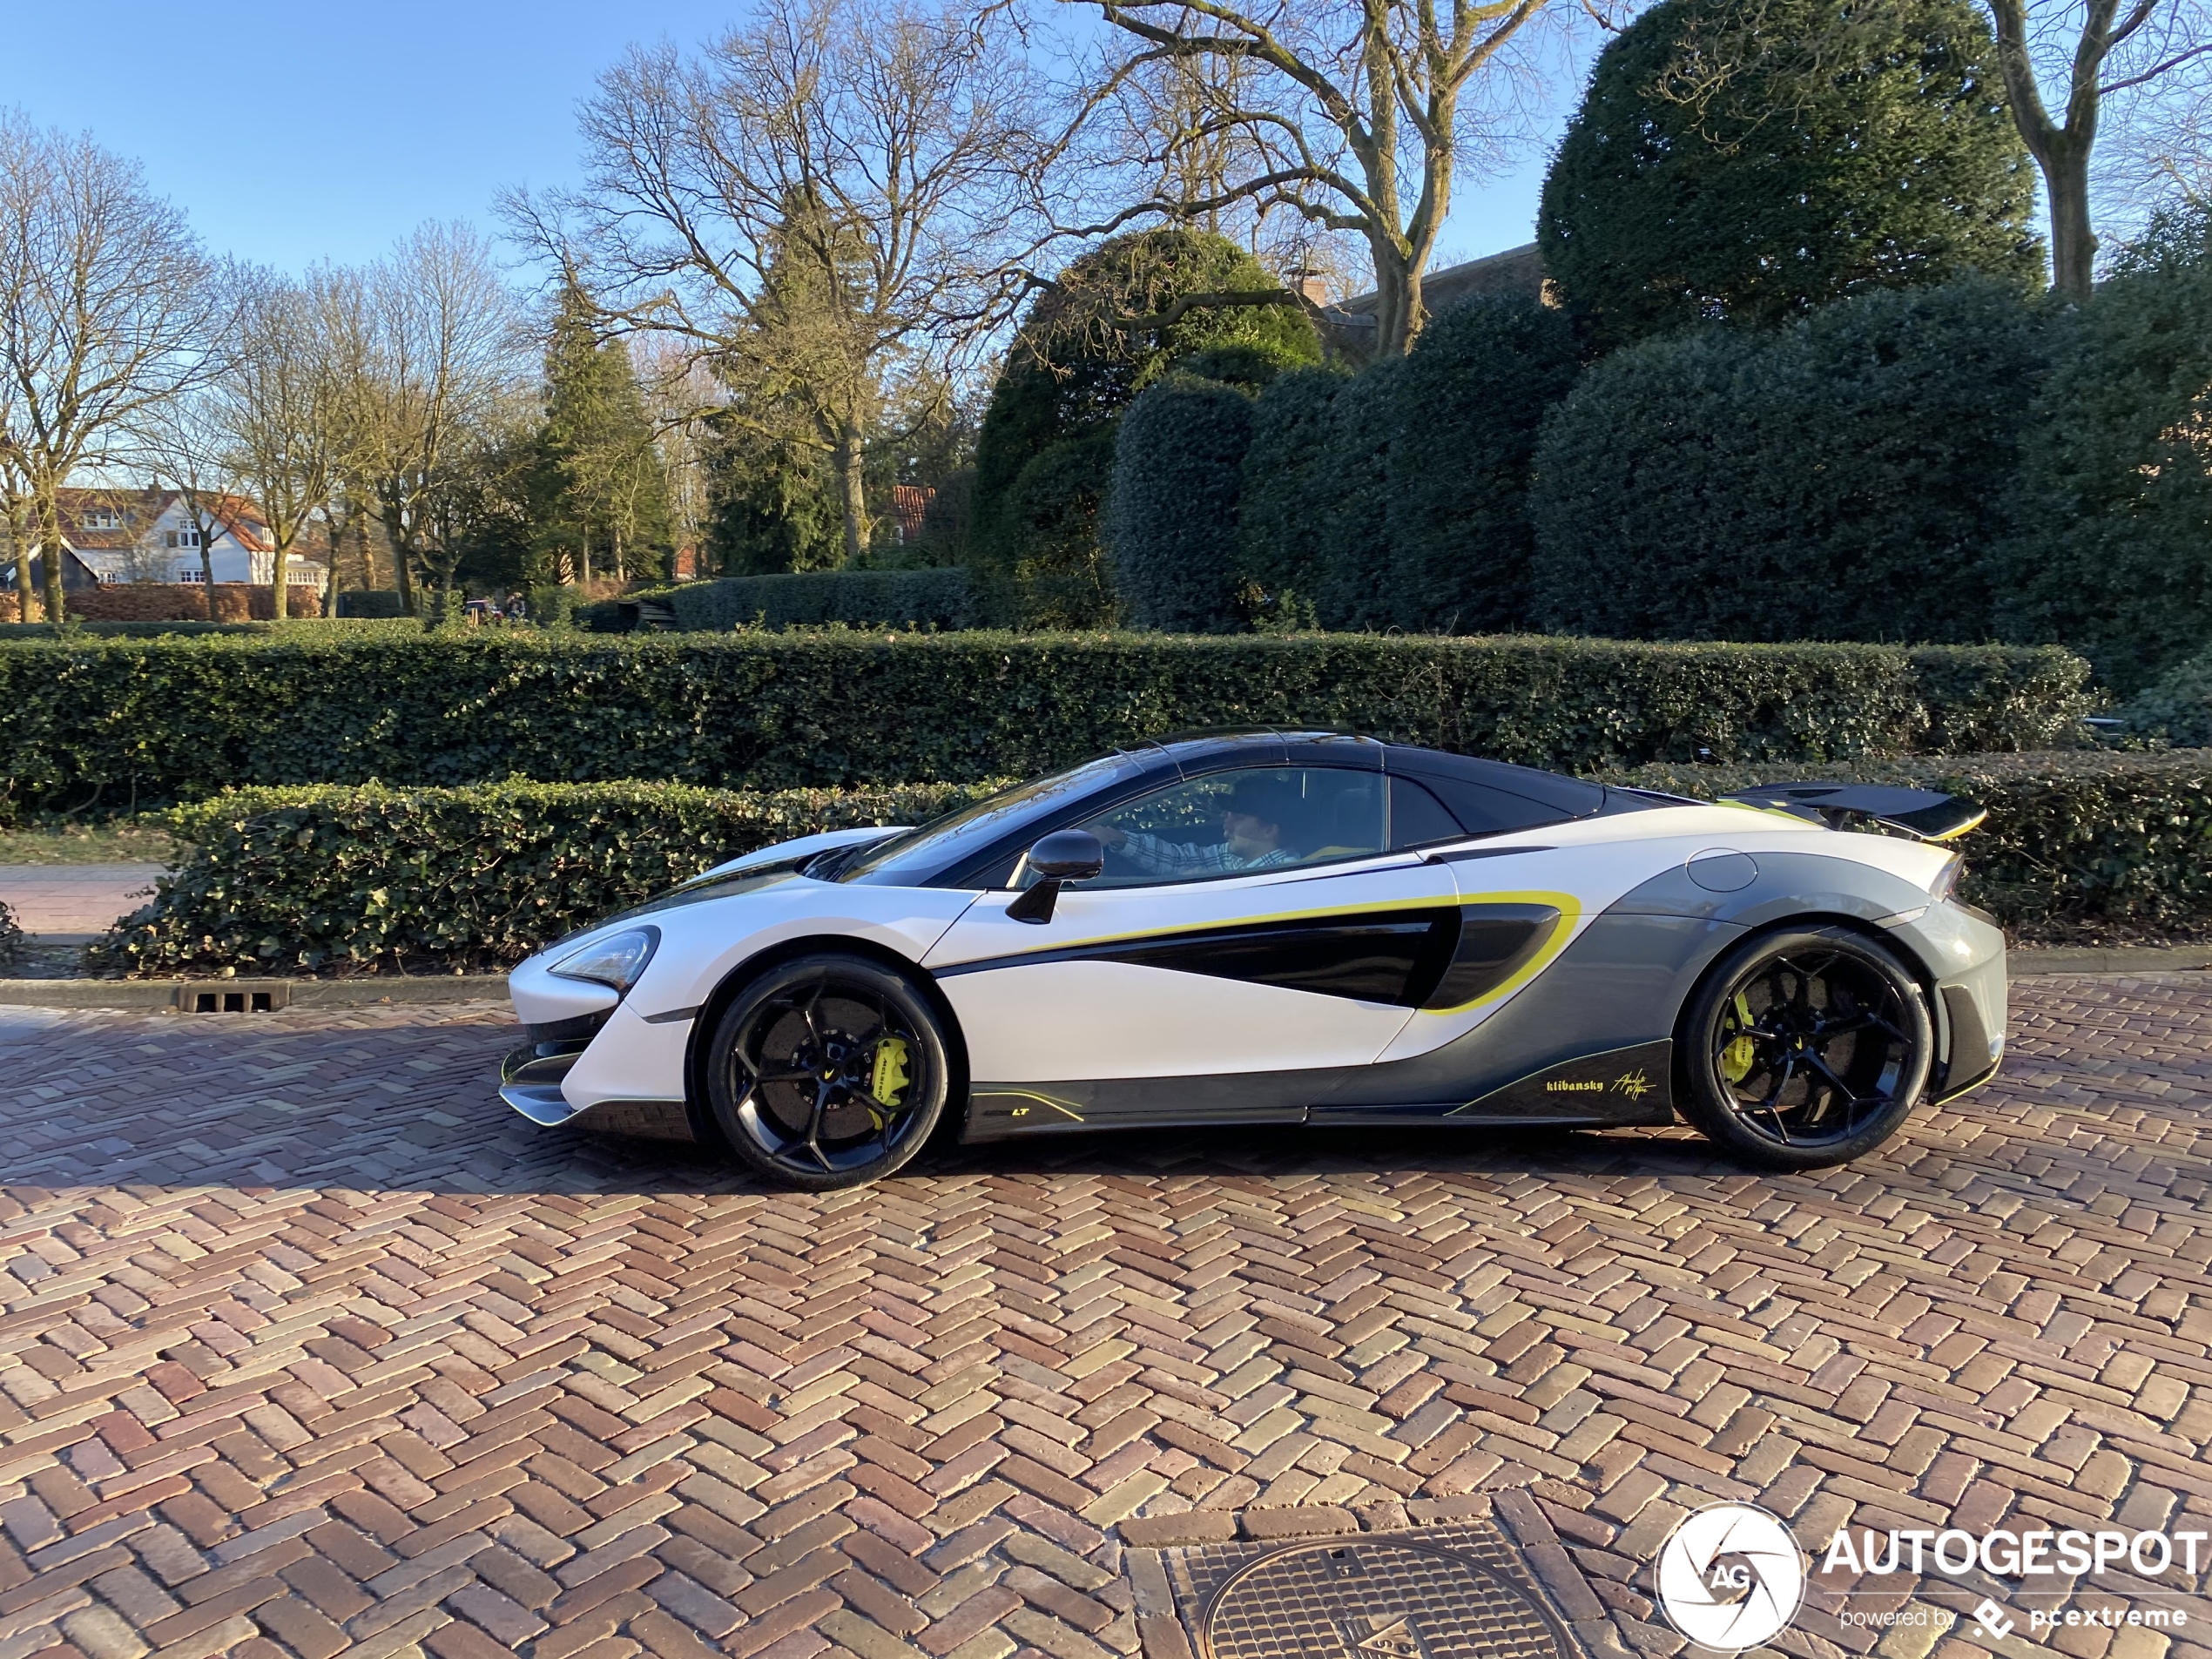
[(1159, 857)]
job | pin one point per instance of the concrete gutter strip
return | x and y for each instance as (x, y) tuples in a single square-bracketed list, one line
[(2139, 958), (255, 995), (251, 995)]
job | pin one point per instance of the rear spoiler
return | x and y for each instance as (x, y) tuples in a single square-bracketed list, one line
[(1920, 813)]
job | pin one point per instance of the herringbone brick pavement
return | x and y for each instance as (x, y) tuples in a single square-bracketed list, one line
[(308, 1346)]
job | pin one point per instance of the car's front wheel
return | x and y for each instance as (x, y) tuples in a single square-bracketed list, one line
[(1805, 1048), (827, 1070)]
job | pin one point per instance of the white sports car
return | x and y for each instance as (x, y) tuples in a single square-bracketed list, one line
[(1287, 927)]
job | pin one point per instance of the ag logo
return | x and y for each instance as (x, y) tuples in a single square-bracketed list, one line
[(1731, 1577)]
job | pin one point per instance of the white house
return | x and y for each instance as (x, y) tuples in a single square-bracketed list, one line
[(152, 535)]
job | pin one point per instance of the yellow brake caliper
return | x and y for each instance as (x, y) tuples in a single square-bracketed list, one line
[(1738, 1058), (890, 1079)]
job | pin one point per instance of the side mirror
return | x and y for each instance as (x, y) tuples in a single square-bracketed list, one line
[(1069, 855), (1064, 855)]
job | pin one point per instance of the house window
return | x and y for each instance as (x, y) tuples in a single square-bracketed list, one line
[(182, 538), (190, 573), (102, 518)]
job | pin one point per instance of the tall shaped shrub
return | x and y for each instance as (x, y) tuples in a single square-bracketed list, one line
[(1172, 523), (1467, 404), (2113, 551), (1282, 534), (1845, 478), (1756, 160), (1352, 502), (1074, 365)]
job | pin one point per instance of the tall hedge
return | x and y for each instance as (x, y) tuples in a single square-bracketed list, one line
[(1757, 162), (931, 598), (1468, 405), (1282, 534), (2114, 553), (154, 720), (1844, 478), (1172, 524)]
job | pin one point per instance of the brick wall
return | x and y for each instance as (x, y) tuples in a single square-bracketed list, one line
[(187, 602)]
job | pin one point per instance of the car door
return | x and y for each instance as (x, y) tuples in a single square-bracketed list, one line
[(1217, 942)]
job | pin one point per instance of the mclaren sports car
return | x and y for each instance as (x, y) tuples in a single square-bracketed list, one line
[(1279, 927)]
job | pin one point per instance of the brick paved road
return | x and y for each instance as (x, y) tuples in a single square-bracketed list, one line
[(308, 1346)]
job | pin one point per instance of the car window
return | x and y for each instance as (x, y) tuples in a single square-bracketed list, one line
[(919, 853), (1485, 810), (1417, 816), (1229, 823)]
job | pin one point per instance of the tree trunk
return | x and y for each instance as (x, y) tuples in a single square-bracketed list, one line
[(46, 513), (1397, 301), (583, 578), (852, 487), (280, 600), (2073, 244), (207, 576), (403, 574)]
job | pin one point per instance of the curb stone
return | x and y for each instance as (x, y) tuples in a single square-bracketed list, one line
[(164, 995)]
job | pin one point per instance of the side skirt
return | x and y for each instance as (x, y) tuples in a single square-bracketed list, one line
[(1613, 1087)]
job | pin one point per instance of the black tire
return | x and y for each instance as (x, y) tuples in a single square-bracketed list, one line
[(795, 1062), (1805, 1047)]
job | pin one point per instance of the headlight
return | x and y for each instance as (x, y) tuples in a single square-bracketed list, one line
[(1946, 881), (618, 960)]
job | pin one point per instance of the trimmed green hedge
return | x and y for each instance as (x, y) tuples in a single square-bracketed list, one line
[(2086, 844), (927, 599), (162, 720), (338, 880), (2176, 708)]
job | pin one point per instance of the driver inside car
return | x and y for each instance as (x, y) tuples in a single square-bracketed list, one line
[(1252, 831)]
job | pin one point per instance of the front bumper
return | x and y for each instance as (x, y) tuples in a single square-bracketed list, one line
[(532, 1079)]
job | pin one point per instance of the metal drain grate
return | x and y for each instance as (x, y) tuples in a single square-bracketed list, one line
[(237, 997), (1375, 1598)]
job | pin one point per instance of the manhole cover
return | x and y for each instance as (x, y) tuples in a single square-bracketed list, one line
[(1362, 1599)]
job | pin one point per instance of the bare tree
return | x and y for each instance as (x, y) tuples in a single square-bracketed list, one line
[(429, 355), (106, 308), (1351, 117), (2090, 50), (184, 444), (678, 390), (275, 404), (819, 194)]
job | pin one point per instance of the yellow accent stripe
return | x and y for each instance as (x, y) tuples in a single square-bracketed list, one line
[(1059, 1106), (1974, 823)]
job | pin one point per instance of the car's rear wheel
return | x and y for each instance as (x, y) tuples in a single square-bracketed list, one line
[(828, 1071), (1805, 1048)]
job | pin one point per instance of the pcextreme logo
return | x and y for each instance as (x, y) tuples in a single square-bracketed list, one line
[(1731, 1577)]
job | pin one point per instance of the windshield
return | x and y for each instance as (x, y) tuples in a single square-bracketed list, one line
[(913, 857)]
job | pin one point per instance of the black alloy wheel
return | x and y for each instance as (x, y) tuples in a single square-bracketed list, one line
[(828, 1071), (1805, 1048)]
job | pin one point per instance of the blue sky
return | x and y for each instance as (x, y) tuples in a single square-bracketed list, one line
[(303, 132)]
